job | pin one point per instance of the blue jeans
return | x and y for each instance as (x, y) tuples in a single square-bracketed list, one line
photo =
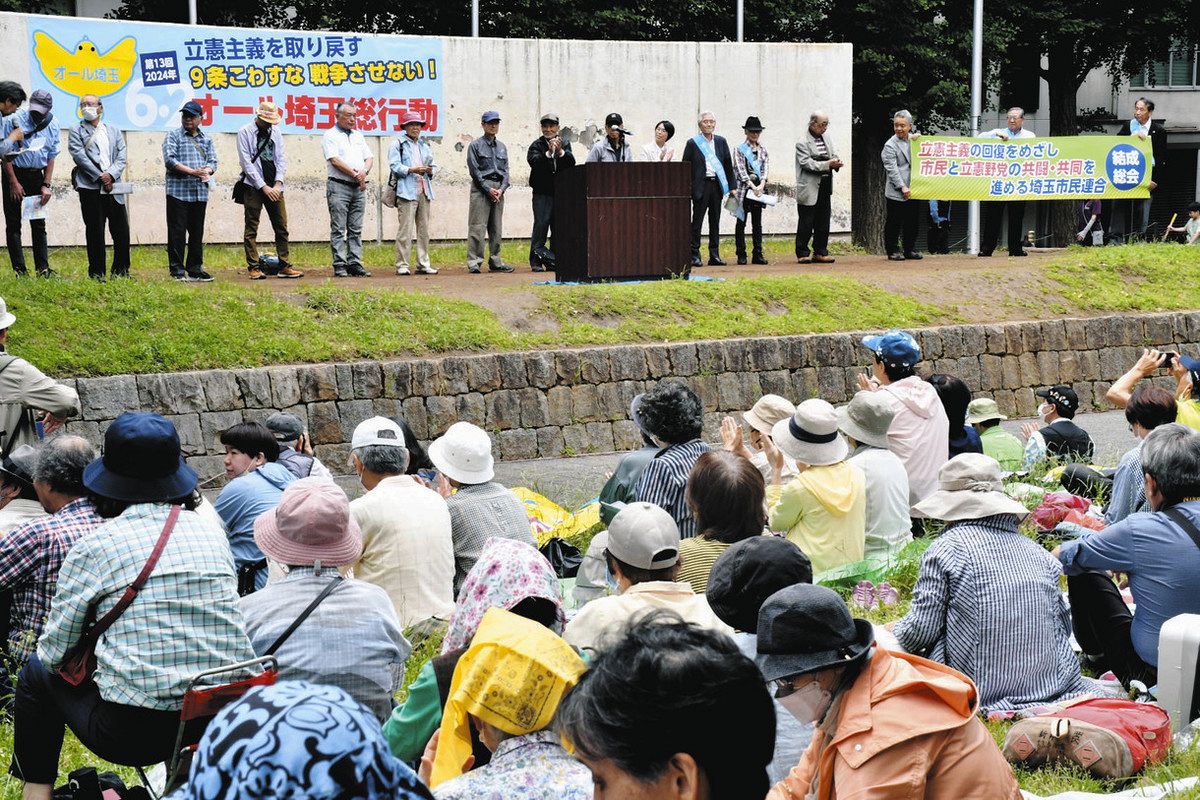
[(346, 206)]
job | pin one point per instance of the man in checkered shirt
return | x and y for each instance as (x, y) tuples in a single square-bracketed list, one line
[(191, 159)]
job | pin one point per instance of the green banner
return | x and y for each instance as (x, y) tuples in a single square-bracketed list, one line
[(1053, 168)]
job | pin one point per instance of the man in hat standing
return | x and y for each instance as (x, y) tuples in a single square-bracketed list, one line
[(612, 149), (191, 160), (98, 150), (24, 388), (712, 181), (28, 175), (751, 164), (548, 155), (261, 155), (348, 162), (1060, 437), (487, 164), (413, 170)]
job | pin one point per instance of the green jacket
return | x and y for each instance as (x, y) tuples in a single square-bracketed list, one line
[(622, 486), (1004, 447)]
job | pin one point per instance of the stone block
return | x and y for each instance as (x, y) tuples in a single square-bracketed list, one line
[(600, 437), (991, 373), (1026, 403), (684, 359), (1006, 402), (1054, 335), (567, 366), (777, 381), (974, 341), (441, 414), (88, 430), (707, 389), (1179, 322), (258, 415), (575, 440), (793, 353), (211, 425), (1048, 367), (108, 398), (1031, 336), (1097, 334), (1069, 369), (1089, 365), (628, 364), (512, 371), (550, 442), (952, 342), (585, 403), (944, 366), (594, 367), (300, 410), (1193, 326), (1097, 401), (997, 340), (626, 435), (968, 372), (804, 385), (930, 342), (737, 353), (324, 424), (1113, 363), (417, 416), (1083, 390), (317, 382), (221, 390), (539, 370), (367, 380), (1129, 331), (608, 396), (483, 374), (343, 375), (172, 393), (710, 428), (209, 469), (471, 408), (558, 403), (658, 360), (831, 384), (255, 387), (1014, 342), (765, 354), (1031, 376), (388, 407), (518, 445), (535, 411), (710, 356), (1076, 334), (1159, 328), (730, 392), (455, 379), (352, 412), (397, 379), (503, 409), (425, 377)]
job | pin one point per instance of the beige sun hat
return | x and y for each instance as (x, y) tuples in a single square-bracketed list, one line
[(810, 436), (969, 487), (981, 409), (867, 417), (769, 409)]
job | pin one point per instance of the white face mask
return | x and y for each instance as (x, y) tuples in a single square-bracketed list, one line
[(1044, 411), (808, 703), (91, 113)]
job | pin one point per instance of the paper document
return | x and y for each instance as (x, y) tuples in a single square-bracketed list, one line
[(32, 208), (766, 199), (122, 187)]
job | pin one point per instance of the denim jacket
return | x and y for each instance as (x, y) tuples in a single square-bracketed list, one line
[(400, 159)]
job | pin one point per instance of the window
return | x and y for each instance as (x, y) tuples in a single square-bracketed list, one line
[(1178, 71)]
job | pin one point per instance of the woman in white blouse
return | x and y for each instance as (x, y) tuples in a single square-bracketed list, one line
[(658, 150)]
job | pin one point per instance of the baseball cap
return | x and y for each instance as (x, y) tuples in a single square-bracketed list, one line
[(896, 348), (613, 119), (286, 427), (645, 536), (191, 109), (551, 118), (490, 116), (1062, 396), (377, 430), (41, 101)]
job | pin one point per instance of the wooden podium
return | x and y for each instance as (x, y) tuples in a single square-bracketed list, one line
[(626, 220)]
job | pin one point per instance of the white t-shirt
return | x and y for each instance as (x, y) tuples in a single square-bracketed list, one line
[(350, 148)]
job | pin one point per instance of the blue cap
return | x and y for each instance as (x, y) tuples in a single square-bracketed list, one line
[(142, 462), (895, 348), (491, 116), (192, 109), (1190, 364)]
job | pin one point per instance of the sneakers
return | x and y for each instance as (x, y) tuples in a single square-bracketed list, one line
[(289, 272), (402, 271), (257, 274), (200, 276), (501, 268), (887, 593), (357, 272), (340, 272), (426, 271)]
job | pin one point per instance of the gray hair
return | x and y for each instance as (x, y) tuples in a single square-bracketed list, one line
[(383, 459), (1171, 455), (903, 114), (1020, 111), (61, 463), (344, 104), (817, 115), (703, 114)]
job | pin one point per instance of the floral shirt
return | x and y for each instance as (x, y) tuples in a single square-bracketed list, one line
[(530, 767)]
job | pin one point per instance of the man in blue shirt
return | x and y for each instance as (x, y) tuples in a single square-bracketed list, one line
[(11, 97), (191, 160), (28, 175), (1159, 551)]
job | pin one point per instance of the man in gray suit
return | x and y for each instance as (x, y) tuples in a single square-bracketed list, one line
[(902, 214), (99, 153), (816, 161)]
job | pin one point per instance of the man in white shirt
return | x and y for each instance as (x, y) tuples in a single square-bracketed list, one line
[(348, 162), (643, 555), (993, 211), (407, 546)]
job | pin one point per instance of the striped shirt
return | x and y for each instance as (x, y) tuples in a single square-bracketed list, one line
[(821, 148), (987, 603), (477, 513), (30, 557), (697, 556), (664, 482), (1128, 487), (185, 620), (190, 151)]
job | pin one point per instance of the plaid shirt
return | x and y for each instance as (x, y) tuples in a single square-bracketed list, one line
[(664, 482), (30, 557), (190, 151), (185, 620)]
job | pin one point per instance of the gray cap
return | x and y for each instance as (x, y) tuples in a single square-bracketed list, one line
[(551, 118), (286, 427), (20, 464), (645, 536), (867, 418), (41, 101)]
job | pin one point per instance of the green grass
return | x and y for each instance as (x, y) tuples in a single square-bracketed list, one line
[(74, 327), (1139, 277)]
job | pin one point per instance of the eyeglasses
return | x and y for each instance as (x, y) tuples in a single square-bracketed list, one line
[(781, 687)]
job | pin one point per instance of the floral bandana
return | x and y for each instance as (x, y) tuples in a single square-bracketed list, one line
[(506, 573), (297, 740)]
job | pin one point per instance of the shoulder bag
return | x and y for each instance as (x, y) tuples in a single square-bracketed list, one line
[(283, 637), (239, 186)]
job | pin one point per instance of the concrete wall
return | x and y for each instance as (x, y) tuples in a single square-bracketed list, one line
[(558, 402), (581, 81)]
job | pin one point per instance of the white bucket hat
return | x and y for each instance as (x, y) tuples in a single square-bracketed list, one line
[(969, 487), (6, 319), (867, 418), (464, 453), (810, 436), (769, 409)]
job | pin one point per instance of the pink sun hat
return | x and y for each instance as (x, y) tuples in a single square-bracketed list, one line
[(311, 523)]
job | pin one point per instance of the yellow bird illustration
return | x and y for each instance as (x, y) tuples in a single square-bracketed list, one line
[(84, 70)]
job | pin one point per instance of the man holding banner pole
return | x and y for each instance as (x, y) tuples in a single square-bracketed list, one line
[(993, 211), (1143, 127)]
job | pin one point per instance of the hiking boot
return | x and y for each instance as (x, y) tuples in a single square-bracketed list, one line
[(758, 259), (289, 272), (426, 271), (357, 272), (820, 259), (257, 274), (340, 272), (501, 268)]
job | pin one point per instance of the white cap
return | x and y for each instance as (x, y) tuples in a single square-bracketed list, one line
[(464, 454), (377, 430), (645, 536)]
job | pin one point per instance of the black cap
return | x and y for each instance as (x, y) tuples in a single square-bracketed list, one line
[(753, 125), (748, 573), (613, 120), (806, 628), (1063, 397)]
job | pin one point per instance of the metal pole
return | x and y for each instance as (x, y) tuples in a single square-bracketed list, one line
[(741, 18), (191, 12), (474, 19), (976, 111)]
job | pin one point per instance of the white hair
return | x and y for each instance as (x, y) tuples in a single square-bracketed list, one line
[(904, 115), (1020, 111), (816, 115), (704, 114)]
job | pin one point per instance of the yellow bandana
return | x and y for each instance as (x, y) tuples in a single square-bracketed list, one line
[(512, 677)]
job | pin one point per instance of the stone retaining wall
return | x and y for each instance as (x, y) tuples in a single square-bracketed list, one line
[(562, 402)]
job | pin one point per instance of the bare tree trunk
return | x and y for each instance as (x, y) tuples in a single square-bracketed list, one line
[(1060, 74), (869, 207)]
